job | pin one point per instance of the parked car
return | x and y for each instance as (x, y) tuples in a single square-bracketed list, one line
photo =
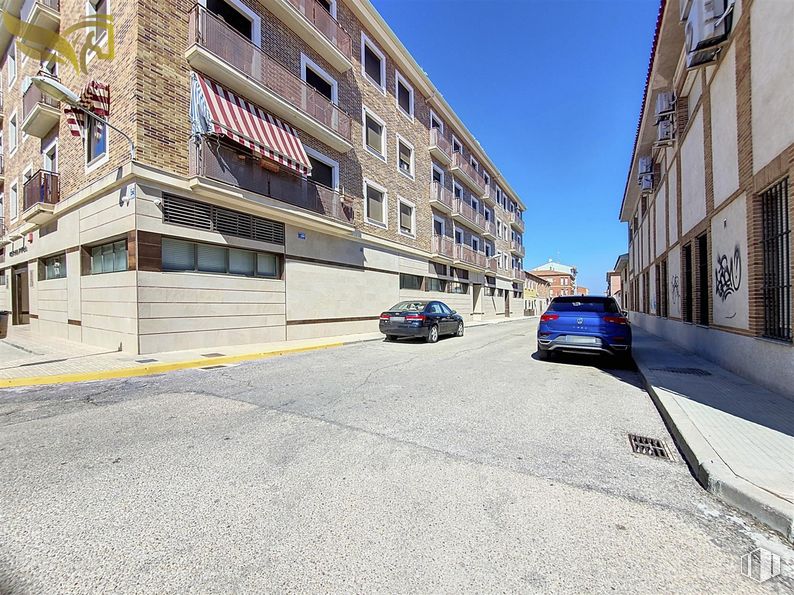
[(584, 324), (420, 318)]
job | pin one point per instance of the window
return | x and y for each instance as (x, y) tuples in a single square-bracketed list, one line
[(325, 171), (405, 157), (488, 251), (457, 190), (2, 277), (703, 274), (457, 287), (405, 95), (487, 214), (376, 204), (475, 244), (318, 79), (458, 236), (236, 16), (50, 157), (456, 146), (486, 177), (436, 122), (55, 267), (12, 63), (439, 226), (438, 175), (434, 284), (373, 63), (474, 164), (410, 281), (96, 140), (776, 239), (98, 7), (374, 135), (13, 134), (687, 282), (109, 258), (658, 272), (179, 255), (407, 218), (475, 204), (13, 198)]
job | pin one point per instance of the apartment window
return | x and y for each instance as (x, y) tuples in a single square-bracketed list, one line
[(457, 287), (13, 197), (687, 282), (475, 204), (703, 275), (776, 239), (405, 95), (2, 277), (50, 157), (55, 267), (488, 251), (405, 157), (456, 146), (475, 244), (474, 164), (458, 236), (96, 140), (12, 64), (438, 175), (109, 258), (439, 226), (233, 15), (436, 122), (13, 134), (179, 255), (374, 135), (407, 218), (325, 171), (457, 190), (434, 284), (373, 63), (486, 177), (658, 272), (410, 281), (376, 204), (318, 79)]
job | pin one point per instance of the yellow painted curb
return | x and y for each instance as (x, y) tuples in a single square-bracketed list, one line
[(155, 368)]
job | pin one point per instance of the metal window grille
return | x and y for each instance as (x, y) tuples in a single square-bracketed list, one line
[(687, 282), (658, 291), (663, 281), (776, 244)]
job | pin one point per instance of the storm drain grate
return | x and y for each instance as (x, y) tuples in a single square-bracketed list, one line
[(212, 354), (649, 446), (213, 367), (689, 371), (148, 360)]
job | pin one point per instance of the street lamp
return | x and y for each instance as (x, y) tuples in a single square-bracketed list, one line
[(52, 87)]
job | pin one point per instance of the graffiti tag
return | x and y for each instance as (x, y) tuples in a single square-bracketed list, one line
[(675, 289), (728, 274)]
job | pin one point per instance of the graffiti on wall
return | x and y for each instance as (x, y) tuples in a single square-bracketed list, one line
[(675, 289), (728, 275)]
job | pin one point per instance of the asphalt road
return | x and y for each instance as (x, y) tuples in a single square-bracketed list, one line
[(407, 467)]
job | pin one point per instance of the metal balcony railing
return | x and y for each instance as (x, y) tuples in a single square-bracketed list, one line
[(32, 97), (491, 264), (438, 141), (318, 16), (517, 220), (211, 33), (230, 165), (443, 246), (517, 247), (43, 187), (439, 193), (459, 162), (468, 213), (488, 226), (469, 256)]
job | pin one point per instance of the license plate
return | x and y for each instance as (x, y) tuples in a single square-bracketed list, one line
[(397, 319), (582, 340)]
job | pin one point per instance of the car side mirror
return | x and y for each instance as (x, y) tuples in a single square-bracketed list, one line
[(625, 313)]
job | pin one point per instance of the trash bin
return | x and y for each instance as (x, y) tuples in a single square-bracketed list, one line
[(3, 324)]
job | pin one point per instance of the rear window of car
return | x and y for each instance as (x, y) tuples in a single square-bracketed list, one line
[(584, 304), (409, 307)]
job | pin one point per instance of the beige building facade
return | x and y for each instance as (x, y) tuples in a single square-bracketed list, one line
[(708, 197), (537, 292), (295, 174), (561, 277)]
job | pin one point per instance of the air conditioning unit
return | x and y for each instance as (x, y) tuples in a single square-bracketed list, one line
[(665, 131), (646, 182), (685, 6), (708, 25), (646, 166), (665, 103)]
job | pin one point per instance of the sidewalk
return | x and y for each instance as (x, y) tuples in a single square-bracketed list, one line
[(28, 359), (736, 436)]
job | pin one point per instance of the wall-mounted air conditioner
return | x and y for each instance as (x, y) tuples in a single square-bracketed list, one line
[(646, 182), (645, 166), (665, 131), (684, 6), (708, 25), (665, 104)]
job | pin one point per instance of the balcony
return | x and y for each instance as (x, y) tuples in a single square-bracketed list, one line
[(230, 165), (489, 194), (517, 221), (40, 194), (488, 228), (469, 257), (45, 14), (491, 264), (517, 248), (440, 148), (442, 247), (518, 274), (312, 23), (441, 198), (40, 113), (224, 55), (465, 171), (470, 217)]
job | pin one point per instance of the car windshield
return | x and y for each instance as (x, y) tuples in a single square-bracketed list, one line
[(409, 307), (584, 304)]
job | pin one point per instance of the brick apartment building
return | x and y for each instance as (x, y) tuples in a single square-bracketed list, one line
[(562, 277), (616, 279), (296, 173), (708, 196), (537, 292)]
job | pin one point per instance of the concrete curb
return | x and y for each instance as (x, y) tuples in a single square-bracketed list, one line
[(711, 471)]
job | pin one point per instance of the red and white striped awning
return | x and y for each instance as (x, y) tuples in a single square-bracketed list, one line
[(96, 99), (252, 127)]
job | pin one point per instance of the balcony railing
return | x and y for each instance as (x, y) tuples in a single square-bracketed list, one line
[(517, 247), (474, 177), (441, 196), (516, 219), (212, 34), (233, 166), (518, 274), (443, 246), (488, 227), (440, 146), (316, 14), (32, 97), (43, 187), (491, 264), (468, 213), (469, 256)]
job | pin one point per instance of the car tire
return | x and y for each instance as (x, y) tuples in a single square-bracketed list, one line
[(391, 338), (543, 354), (432, 334), (459, 332)]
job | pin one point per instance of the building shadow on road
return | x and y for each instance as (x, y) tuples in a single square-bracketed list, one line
[(624, 370)]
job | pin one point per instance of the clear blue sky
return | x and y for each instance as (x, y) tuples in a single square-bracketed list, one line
[(552, 90)]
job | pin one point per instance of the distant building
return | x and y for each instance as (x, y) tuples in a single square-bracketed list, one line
[(616, 277), (562, 277), (536, 295), (582, 290)]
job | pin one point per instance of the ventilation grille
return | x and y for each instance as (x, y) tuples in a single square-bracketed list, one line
[(199, 215), (653, 447), (686, 371)]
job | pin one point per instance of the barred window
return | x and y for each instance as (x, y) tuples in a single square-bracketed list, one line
[(776, 242)]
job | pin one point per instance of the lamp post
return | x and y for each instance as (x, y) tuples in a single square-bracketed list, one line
[(52, 87)]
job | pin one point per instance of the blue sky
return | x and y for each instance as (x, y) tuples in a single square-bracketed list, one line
[(552, 90)]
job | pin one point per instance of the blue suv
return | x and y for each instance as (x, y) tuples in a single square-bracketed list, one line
[(584, 324)]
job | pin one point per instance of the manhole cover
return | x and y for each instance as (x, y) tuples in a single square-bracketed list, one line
[(689, 371), (212, 354), (649, 446)]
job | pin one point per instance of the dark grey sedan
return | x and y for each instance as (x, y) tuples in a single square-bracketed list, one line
[(420, 318)]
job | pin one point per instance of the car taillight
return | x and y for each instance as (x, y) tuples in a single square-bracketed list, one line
[(616, 319), (415, 317), (385, 316), (548, 317)]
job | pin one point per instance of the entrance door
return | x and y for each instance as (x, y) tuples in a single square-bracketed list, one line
[(507, 303), (20, 292)]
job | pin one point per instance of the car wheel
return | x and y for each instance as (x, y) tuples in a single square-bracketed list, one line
[(391, 338), (460, 330), (432, 334), (543, 354)]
